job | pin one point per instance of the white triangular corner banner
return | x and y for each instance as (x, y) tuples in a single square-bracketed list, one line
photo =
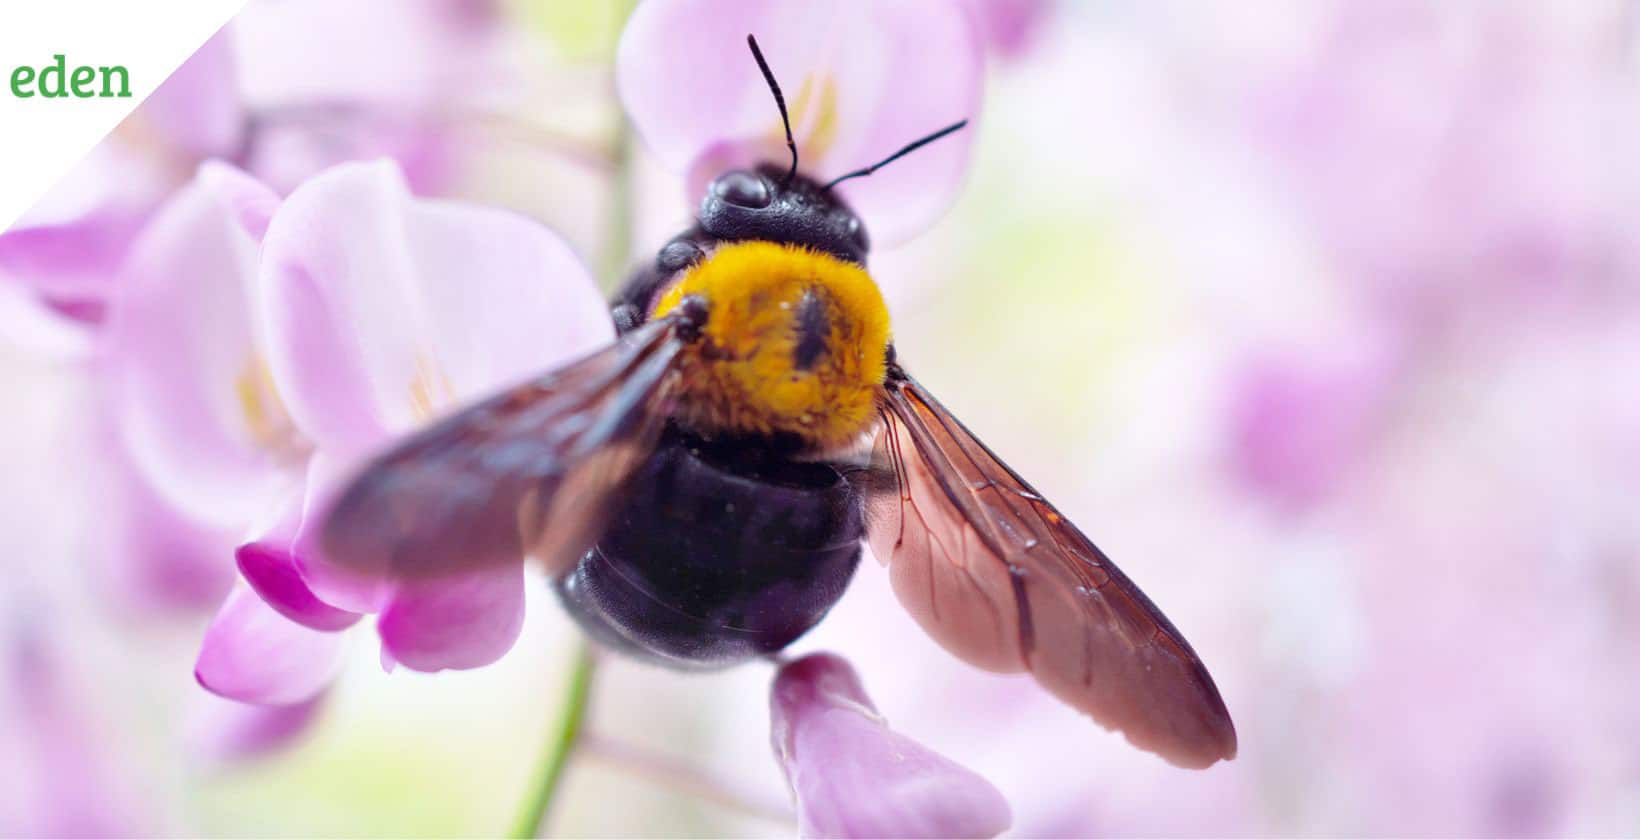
[(42, 137)]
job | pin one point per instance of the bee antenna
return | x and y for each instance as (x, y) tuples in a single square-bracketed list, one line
[(779, 101), (909, 148)]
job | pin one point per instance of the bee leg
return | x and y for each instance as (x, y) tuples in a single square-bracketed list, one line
[(627, 318)]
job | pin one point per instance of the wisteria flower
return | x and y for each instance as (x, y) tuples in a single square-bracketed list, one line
[(1498, 125), (861, 81), (56, 776), (227, 731), (70, 245), (258, 347), (149, 556), (239, 99), (65, 251), (1011, 27), (852, 776), (1447, 173), (261, 347), (1298, 420)]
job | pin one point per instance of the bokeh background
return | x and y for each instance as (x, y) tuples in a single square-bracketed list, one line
[(1322, 318)]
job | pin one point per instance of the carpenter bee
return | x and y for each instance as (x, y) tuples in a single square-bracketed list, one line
[(699, 491)]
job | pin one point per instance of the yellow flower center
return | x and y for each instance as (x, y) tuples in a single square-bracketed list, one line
[(814, 117), (264, 415)]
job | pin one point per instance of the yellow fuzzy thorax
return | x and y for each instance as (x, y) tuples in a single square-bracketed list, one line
[(794, 343)]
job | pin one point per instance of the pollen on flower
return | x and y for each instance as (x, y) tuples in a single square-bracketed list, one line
[(265, 417), (430, 390), (814, 118)]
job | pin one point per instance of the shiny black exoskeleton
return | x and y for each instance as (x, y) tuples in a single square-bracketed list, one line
[(723, 552), (731, 548)]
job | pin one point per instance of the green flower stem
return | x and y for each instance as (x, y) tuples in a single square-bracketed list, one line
[(532, 817)]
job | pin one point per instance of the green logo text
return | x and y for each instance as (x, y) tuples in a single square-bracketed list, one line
[(55, 80)]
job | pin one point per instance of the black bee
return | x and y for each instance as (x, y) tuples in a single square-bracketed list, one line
[(699, 491)]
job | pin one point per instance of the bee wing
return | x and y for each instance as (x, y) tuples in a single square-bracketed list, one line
[(530, 470), (999, 577)]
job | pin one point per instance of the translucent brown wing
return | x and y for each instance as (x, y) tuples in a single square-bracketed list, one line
[(1000, 578), (531, 470)]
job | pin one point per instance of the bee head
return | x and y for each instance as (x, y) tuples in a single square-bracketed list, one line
[(778, 206)]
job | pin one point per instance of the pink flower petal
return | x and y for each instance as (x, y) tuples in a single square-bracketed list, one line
[(854, 777), (1299, 422), (462, 622), (269, 565), (75, 260), (1011, 26), (226, 730), (155, 556), (90, 515), (69, 245), (878, 76), (248, 201), (61, 772), (191, 389), (383, 310), (341, 586), (255, 655), (427, 147), (35, 326)]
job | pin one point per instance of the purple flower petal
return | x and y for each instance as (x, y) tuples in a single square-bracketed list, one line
[(862, 80), (462, 622), (255, 655), (226, 730), (384, 310), (191, 390), (854, 777), (269, 565)]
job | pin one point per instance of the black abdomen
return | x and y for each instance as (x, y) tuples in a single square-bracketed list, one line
[(721, 553)]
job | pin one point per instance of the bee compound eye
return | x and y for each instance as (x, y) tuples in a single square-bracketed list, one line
[(743, 189), (857, 233)]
